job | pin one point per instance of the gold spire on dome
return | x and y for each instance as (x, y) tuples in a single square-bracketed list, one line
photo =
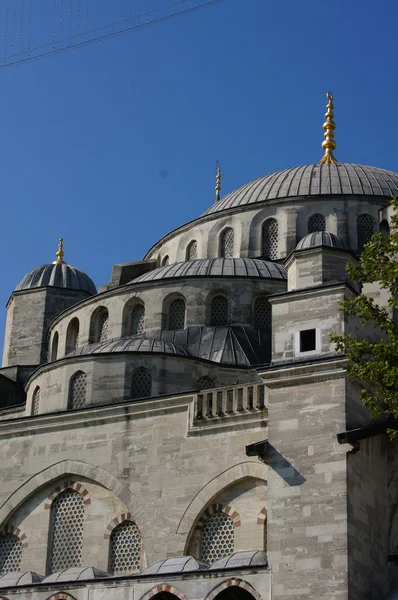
[(60, 253), (218, 181), (329, 126)]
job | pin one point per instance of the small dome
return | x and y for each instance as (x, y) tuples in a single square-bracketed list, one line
[(19, 578), (217, 267), (248, 558), (313, 180), (57, 275), (320, 238), (137, 343), (75, 574), (178, 564)]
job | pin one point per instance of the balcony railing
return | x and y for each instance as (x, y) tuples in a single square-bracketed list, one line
[(229, 401)]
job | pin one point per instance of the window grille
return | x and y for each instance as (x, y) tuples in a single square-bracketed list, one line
[(36, 401), (78, 389), (10, 553), (262, 313), (270, 239), (166, 261), (138, 320), (219, 311), (125, 549), (192, 250), (205, 383), (365, 230), (227, 243), (67, 522), (316, 223), (141, 383), (103, 322), (54, 347), (217, 538), (72, 336), (177, 314)]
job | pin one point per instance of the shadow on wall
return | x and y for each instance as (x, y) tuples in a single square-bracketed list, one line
[(283, 467)]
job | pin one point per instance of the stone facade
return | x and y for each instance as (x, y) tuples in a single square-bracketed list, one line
[(132, 419)]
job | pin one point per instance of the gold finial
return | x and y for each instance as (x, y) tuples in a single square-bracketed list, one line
[(329, 126), (60, 253), (218, 181)]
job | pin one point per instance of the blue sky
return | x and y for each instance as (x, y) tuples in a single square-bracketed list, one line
[(113, 145)]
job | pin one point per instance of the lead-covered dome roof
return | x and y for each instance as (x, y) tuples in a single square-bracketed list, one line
[(57, 275), (138, 343), (320, 238), (313, 180), (217, 267)]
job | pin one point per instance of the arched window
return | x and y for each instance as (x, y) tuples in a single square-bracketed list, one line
[(270, 239), (227, 243), (36, 401), (316, 223), (192, 250), (72, 336), (10, 553), (166, 261), (205, 383), (177, 314), (141, 383), (218, 537), (66, 531), (384, 228), (365, 230), (137, 319), (219, 311), (99, 325), (54, 347), (78, 390), (125, 549), (262, 313)]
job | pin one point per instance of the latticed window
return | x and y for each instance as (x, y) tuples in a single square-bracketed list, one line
[(78, 390), (205, 383), (10, 553), (54, 347), (227, 243), (177, 314), (365, 230), (36, 401), (141, 383), (192, 250), (219, 311), (72, 335), (103, 322), (125, 549), (66, 529), (217, 537), (316, 223), (270, 239), (138, 320), (166, 261), (262, 313)]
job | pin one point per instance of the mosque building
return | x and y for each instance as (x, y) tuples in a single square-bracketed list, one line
[(188, 431)]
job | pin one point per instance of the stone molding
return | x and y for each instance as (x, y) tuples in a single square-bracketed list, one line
[(215, 487), (164, 588), (69, 468), (60, 596), (18, 532), (73, 485), (234, 582), (115, 522), (216, 508)]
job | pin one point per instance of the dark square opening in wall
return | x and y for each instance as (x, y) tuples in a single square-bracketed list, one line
[(307, 340)]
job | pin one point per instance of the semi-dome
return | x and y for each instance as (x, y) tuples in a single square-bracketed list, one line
[(217, 267), (18, 578), (75, 574), (313, 180), (320, 238), (137, 343), (57, 274)]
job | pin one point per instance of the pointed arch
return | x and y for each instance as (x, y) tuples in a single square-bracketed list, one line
[(234, 582), (54, 346), (270, 237), (164, 588), (72, 335)]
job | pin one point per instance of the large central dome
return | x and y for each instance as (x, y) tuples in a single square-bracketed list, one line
[(313, 180)]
